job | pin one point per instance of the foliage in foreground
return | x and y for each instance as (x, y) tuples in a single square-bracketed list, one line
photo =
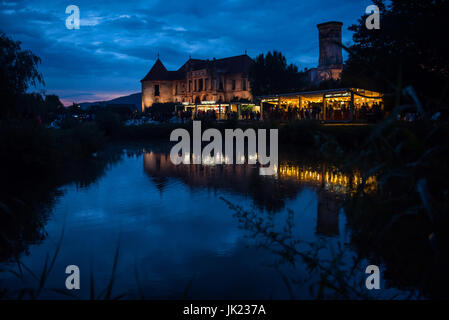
[(409, 212)]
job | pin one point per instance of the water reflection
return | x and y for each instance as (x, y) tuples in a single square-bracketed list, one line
[(26, 202), (175, 227), (268, 193), (328, 178)]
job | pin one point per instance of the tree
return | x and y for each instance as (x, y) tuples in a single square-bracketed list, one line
[(74, 108), (18, 71), (270, 74), (52, 103), (162, 111), (409, 49)]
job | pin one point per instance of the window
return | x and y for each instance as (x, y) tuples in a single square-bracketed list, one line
[(233, 84), (156, 90), (206, 85), (244, 84), (190, 85), (220, 84), (200, 85)]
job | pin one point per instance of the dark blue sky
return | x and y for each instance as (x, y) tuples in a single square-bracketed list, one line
[(118, 41)]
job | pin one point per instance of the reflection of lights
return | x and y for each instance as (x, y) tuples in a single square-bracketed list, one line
[(208, 160), (196, 158), (331, 180), (252, 157), (218, 158), (187, 157)]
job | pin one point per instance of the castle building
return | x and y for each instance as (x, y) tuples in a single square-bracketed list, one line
[(222, 86), (198, 81)]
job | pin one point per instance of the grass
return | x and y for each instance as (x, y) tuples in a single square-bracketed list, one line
[(40, 279)]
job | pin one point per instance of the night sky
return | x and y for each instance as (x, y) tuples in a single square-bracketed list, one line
[(118, 41)]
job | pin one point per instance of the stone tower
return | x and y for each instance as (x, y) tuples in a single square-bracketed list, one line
[(331, 59)]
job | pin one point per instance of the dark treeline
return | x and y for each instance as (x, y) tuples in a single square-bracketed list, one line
[(270, 74), (409, 50), (403, 226)]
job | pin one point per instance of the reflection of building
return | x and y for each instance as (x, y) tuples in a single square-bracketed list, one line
[(223, 176), (327, 215), (267, 193), (217, 80), (330, 184), (328, 179)]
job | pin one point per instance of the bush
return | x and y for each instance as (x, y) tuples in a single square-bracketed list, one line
[(27, 148), (110, 122)]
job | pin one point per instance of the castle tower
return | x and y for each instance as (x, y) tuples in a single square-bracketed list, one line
[(331, 59)]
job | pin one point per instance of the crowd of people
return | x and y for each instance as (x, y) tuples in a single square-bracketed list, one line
[(291, 113), (184, 115), (367, 112), (333, 111), (188, 114), (313, 111)]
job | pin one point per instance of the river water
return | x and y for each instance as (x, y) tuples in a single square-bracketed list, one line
[(196, 232)]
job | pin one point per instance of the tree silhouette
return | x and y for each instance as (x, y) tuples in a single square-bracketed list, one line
[(409, 49), (270, 74), (18, 71)]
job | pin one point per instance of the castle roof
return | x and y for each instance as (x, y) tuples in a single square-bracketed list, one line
[(159, 72), (236, 64)]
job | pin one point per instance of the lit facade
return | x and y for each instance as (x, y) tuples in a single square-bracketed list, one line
[(198, 81)]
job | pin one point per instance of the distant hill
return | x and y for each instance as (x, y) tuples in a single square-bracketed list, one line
[(135, 99)]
